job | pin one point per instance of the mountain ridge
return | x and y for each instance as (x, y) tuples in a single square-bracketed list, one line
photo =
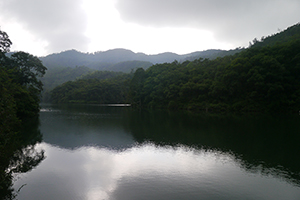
[(102, 60)]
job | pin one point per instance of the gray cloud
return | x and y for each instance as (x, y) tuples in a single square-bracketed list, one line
[(233, 21), (61, 23)]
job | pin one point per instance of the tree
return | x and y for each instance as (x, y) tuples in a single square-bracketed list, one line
[(28, 68), (136, 87), (5, 42), (8, 118)]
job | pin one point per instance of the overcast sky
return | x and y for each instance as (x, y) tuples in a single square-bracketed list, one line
[(41, 27)]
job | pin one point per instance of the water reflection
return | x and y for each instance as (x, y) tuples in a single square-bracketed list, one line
[(260, 142), (73, 126), (147, 172), (98, 152), (21, 157)]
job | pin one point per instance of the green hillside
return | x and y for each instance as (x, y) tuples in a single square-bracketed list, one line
[(261, 78), (97, 88), (291, 33)]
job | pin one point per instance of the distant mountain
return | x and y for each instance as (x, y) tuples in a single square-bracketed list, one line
[(122, 59), (71, 58)]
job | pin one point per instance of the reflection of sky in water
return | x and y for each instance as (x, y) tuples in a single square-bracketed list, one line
[(146, 172)]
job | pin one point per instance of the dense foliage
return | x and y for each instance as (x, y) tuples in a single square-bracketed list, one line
[(20, 90), (100, 87), (262, 78)]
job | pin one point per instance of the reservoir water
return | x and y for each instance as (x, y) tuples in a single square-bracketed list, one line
[(110, 152)]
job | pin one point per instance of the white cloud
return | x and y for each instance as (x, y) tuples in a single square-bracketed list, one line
[(107, 30), (233, 21), (57, 24), (182, 26), (24, 40)]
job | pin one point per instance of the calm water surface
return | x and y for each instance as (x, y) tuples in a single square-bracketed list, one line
[(97, 152)]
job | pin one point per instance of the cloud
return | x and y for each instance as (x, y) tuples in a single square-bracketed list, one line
[(181, 26), (234, 21), (60, 23)]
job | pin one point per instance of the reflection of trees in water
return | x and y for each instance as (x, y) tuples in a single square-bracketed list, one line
[(260, 144), (21, 158), (25, 159), (281, 172)]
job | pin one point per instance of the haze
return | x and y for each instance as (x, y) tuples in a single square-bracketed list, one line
[(41, 27)]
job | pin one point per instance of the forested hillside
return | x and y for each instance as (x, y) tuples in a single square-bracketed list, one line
[(70, 65), (291, 33), (100, 87), (128, 66), (261, 78), (211, 54), (59, 75)]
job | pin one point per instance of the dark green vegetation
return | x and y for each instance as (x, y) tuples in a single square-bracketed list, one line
[(20, 91), (261, 78), (258, 79), (99, 87)]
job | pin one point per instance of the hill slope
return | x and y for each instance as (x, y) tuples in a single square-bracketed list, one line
[(291, 33)]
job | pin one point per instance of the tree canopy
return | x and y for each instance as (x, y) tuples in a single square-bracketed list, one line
[(5, 42)]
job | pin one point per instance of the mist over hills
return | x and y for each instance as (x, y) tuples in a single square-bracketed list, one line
[(123, 59)]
